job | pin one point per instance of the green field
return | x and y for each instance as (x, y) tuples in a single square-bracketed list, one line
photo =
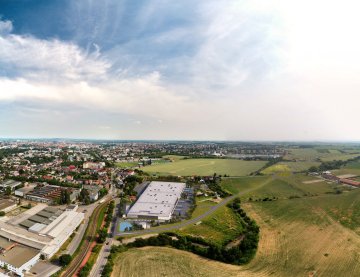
[(323, 154), (221, 226), (307, 236), (289, 167), (205, 167), (350, 168), (126, 164), (276, 186)]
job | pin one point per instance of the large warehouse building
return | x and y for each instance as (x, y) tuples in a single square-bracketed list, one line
[(157, 202), (39, 231)]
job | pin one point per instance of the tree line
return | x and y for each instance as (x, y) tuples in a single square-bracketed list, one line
[(239, 254)]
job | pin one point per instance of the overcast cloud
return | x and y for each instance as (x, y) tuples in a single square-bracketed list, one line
[(225, 70)]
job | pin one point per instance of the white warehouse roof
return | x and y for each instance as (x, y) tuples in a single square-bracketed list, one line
[(158, 200)]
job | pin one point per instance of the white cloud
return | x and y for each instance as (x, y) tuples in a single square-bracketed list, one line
[(48, 60), (262, 70), (5, 27)]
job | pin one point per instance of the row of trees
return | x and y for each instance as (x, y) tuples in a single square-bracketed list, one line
[(330, 165), (102, 235), (241, 253)]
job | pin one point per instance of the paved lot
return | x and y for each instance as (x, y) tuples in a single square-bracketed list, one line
[(43, 269)]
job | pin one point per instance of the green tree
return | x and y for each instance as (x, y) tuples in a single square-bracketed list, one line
[(65, 259), (8, 191)]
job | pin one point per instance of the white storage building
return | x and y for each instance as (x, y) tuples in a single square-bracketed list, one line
[(158, 201)]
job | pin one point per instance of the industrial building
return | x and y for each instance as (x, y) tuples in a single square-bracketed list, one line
[(9, 184), (157, 202), (21, 192), (48, 193), (41, 230), (16, 257)]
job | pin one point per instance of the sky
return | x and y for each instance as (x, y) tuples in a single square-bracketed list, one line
[(171, 70)]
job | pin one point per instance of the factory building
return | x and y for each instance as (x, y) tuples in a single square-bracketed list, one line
[(41, 230), (157, 202)]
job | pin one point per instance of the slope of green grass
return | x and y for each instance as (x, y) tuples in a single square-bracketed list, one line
[(219, 227)]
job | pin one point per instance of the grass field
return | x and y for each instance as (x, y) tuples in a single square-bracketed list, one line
[(313, 154), (299, 237), (275, 186), (223, 225), (126, 164), (290, 167), (350, 168), (160, 262), (205, 167)]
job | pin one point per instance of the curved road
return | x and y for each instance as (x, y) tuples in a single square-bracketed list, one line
[(193, 220)]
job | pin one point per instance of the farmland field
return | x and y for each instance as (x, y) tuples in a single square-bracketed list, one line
[(275, 186), (203, 167), (315, 154), (162, 261), (289, 166), (299, 237)]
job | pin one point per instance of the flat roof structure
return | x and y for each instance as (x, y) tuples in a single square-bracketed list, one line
[(157, 201), (9, 183), (17, 257), (5, 203)]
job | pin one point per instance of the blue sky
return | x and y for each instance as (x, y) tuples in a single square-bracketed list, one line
[(214, 69)]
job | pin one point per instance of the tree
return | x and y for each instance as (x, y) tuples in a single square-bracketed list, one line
[(102, 236), (8, 191), (65, 259), (84, 196), (2, 213)]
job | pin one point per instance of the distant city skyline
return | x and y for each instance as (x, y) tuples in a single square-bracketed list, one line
[(222, 70)]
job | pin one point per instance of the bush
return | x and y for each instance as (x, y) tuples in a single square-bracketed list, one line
[(65, 259)]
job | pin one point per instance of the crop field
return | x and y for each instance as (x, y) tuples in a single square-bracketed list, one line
[(278, 186), (290, 167), (205, 167), (241, 184), (162, 261), (299, 237), (315, 154)]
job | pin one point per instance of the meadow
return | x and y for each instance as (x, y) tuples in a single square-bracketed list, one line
[(290, 167), (320, 154), (205, 167), (299, 237)]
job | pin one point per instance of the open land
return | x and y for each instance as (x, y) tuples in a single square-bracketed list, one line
[(204, 167), (313, 234)]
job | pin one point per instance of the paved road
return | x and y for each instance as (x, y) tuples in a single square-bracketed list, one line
[(87, 210), (191, 221), (105, 250)]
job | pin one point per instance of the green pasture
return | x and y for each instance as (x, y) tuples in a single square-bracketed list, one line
[(205, 167)]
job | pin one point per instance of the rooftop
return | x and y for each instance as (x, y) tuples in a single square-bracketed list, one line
[(16, 254), (158, 199)]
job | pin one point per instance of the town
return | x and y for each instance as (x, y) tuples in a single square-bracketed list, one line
[(66, 204)]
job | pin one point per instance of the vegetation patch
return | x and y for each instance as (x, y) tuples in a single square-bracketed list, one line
[(205, 167)]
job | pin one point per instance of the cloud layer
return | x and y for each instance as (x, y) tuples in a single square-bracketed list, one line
[(238, 70)]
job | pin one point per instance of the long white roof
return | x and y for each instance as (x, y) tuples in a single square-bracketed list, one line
[(159, 199)]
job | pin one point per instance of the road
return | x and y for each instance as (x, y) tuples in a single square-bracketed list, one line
[(183, 224), (75, 264), (87, 210), (105, 249)]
